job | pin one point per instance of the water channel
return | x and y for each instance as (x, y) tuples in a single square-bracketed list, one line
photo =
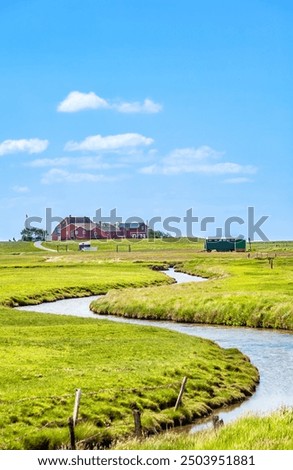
[(271, 351)]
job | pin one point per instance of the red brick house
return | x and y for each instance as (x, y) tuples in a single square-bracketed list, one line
[(134, 230), (82, 228)]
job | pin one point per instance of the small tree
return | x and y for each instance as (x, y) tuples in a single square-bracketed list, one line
[(33, 234), (158, 234)]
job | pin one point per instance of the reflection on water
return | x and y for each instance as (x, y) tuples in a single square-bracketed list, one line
[(270, 351), (182, 278)]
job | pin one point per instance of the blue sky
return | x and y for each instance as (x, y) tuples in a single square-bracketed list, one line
[(150, 107)]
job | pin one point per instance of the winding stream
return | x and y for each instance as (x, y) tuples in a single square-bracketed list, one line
[(271, 351)]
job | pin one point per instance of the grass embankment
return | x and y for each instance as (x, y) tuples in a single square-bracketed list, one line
[(134, 245), (35, 279), (257, 432), (44, 358), (17, 248), (240, 292)]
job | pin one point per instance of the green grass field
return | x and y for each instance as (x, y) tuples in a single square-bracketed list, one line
[(240, 291), (135, 245), (17, 248), (44, 358), (259, 432), (48, 281), (118, 367)]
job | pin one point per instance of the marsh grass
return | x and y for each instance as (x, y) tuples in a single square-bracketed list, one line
[(34, 280), (44, 358), (17, 248), (240, 292), (136, 245), (252, 432)]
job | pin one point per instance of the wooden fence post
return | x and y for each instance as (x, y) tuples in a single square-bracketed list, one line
[(73, 419), (76, 406), (72, 433), (137, 423), (180, 393), (271, 262)]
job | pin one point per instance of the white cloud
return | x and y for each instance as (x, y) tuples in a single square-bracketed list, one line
[(191, 155), (150, 170), (111, 142), (77, 101), (81, 162), (45, 162), (23, 145), (55, 175), (202, 160), (147, 107), (96, 163), (20, 189), (239, 180)]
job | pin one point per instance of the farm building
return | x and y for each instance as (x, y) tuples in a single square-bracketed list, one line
[(82, 228), (133, 230), (225, 244), (77, 228)]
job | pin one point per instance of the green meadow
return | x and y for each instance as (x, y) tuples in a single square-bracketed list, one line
[(119, 367), (259, 432), (240, 291), (32, 276), (48, 281), (134, 245)]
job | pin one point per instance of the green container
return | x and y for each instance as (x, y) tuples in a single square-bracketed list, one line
[(225, 244)]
